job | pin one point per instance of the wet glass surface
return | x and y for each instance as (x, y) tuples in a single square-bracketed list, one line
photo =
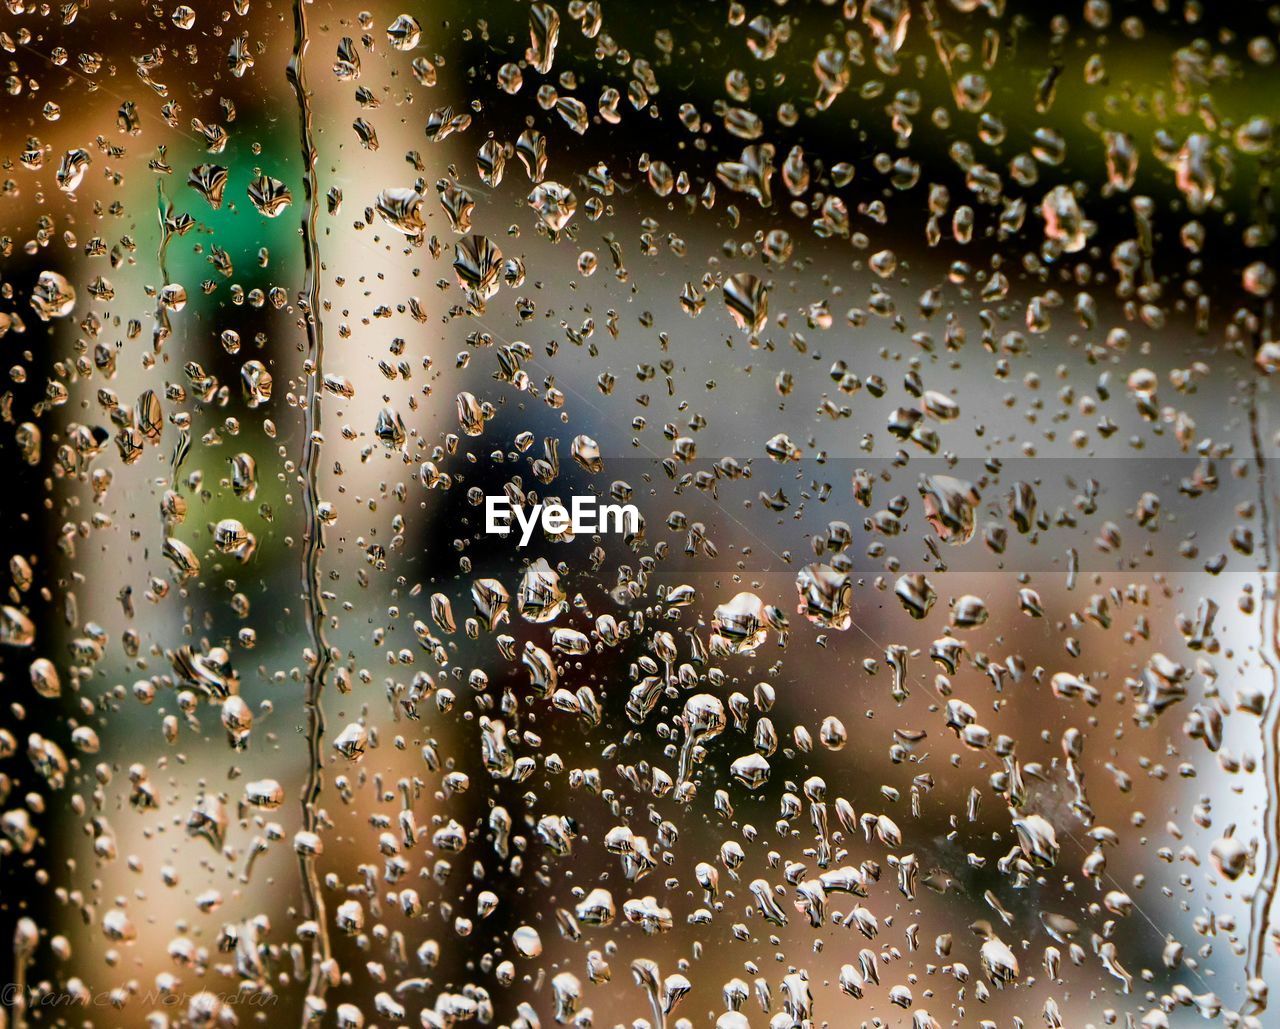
[(933, 344)]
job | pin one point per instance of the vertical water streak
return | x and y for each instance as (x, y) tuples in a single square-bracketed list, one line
[(313, 900), (1268, 642), (163, 328)]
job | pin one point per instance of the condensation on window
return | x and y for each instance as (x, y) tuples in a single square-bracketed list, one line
[(932, 342)]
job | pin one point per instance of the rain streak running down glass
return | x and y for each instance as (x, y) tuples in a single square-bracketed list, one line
[(925, 353)]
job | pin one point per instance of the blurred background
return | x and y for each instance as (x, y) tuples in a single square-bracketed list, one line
[(1025, 247)]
